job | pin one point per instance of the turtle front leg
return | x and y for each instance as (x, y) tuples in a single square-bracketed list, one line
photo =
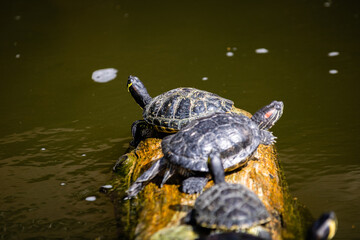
[(145, 178), (141, 130), (193, 185), (267, 138)]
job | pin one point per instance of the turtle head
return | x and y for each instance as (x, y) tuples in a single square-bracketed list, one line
[(267, 116), (216, 168), (323, 228), (138, 91)]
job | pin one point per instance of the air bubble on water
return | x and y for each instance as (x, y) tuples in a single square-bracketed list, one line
[(104, 75), (90, 199), (107, 186), (333, 54), (205, 78), (229, 54), (261, 50), (333, 71)]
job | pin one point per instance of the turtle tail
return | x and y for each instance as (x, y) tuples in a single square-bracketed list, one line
[(145, 178)]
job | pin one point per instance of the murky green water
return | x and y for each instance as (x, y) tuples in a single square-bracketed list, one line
[(61, 132)]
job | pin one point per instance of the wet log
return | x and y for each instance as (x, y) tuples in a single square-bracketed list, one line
[(157, 213)]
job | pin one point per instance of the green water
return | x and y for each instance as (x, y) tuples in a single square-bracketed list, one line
[(61, 132)]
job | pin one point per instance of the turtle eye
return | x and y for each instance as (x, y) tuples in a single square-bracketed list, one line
[(269, 113)]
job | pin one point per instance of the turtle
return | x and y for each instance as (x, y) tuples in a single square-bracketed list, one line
[(233, 207), (233, 137), (323, 228), (172, 110), (229, 207)]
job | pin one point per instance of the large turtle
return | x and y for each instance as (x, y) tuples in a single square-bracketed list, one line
[(229, 207), (172, 110), (234, 138)]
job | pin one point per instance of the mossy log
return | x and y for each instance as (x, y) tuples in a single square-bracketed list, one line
[(157, 213)]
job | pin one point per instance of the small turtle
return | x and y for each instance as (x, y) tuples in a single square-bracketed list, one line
[(172, 110), (234, 207), (229, 207), (234, 138), (323, 228)]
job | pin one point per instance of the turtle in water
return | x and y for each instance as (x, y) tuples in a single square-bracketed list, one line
[(234, 138), (172, 110), (229, 207), (323, 228)]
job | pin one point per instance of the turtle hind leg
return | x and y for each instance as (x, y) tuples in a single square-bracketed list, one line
[(145, 178), (168, 173), (267, 138), (193, 185)]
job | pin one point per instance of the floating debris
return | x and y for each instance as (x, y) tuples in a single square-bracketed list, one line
[(62, 184), (83, 155), (327, 3), (229, 54), (104, 75), (333, 71), (43, 149), (204, 78), (105, 189), (90, 199), (261, 50), (333, 54), (17, 55), (17, 18)]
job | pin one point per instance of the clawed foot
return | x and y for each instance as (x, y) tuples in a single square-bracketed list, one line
[(193, 185)]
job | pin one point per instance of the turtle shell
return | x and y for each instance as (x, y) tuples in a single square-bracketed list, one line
[(172, 110), (229, 207), (235, 137)]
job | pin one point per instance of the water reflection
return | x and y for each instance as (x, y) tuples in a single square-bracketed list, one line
[(49, 170), (321, 166), (261, 51), (333, 54)]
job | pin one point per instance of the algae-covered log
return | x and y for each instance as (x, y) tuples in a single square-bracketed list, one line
[(157, 212)]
